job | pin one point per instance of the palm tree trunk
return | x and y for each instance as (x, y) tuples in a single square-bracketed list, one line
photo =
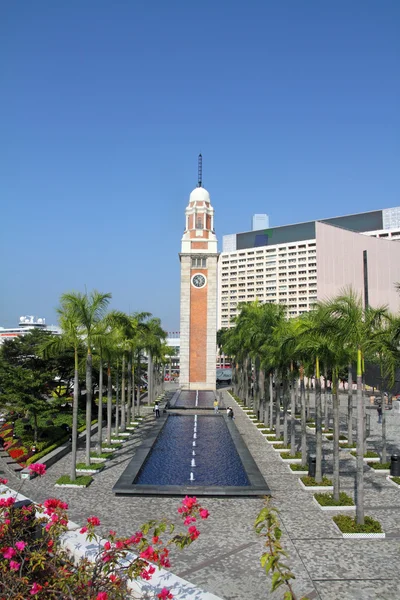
[(308, 399), (129, 390), (123, 410), (139, 372), (360, 444), (256, 389), (293, 413), (336, 426), (150, 379), (133, 389), (109, 403), (350, 403), (100, 408), (117, 400), (285, 412), (303, 418), (384, 451), (271, 401), (278, 408), (318, 424), (75, 417), (89, 361), (326, 405)]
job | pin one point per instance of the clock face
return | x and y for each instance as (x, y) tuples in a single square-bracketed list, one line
[(198, 280)]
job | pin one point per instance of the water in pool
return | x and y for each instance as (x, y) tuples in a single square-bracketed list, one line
[(197, 449)]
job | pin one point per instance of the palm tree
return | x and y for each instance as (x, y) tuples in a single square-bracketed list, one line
[(353, 327), (88, 311), (69, 338)]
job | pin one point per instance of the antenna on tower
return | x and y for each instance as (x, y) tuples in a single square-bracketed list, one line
[(200, 171)]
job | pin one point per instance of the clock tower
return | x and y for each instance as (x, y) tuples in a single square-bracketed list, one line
[(199, 257)]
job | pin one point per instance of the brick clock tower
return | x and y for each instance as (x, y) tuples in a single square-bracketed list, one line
[(199, 259)]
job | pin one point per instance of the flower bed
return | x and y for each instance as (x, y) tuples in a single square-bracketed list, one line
[(349, 527), (297, 469), (367, 455)]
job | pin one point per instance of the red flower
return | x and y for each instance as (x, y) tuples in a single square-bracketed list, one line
[(14, 566), (102, 596), (35, 588), (51, 504), (6, 502), (155, 539), (37, 468), (83, 530), (8, 552), (164, 594), (3, 481), (204, 513), (107, 546), (93, 521), (193, 532)]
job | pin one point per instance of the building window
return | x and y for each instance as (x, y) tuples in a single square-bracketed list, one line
[(199, 222), (198, 262)]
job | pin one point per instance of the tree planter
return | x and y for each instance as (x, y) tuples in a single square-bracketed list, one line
[(70, 485), (274, 442), (108, 449), (118, 440), (280, 449), (268, 435), (390, 479), (382, 471), (98, 460), (297, 472), (316, 488), (130, 428), (360, 536), (290, 460), (124, 435), (89, 471), (372, 460), (311, 429), (338, 507), (80, 482)]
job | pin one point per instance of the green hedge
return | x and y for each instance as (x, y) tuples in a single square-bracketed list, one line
[(348, 524), (298, 467), (328, 499), (379, 466), (310, 481), (287, 455), (368, 454), (80, 480), (91, 467)]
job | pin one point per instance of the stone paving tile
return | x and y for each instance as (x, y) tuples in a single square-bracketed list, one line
[(308, 525), (350, 559), (381, 589)]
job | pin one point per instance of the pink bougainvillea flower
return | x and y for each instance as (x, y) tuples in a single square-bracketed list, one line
[(155, 539), (3, 481), (113, 533), (204, 513), (36, 588), (37, 468), (83, 530), (51, 504), (107, 546), (20, 545), (193, 532), (14, 565), (6, 502), (188, 502), (9, 552), (164, 594), (102, 596), (95, 521), (189, 520)]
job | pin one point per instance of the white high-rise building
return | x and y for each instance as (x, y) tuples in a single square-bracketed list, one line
[(298, 265)]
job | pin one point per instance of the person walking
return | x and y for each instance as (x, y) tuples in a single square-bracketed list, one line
[(216, 405), (157, 410), (379, 411)]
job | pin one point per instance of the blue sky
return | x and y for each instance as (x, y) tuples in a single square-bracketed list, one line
[(105, 106)]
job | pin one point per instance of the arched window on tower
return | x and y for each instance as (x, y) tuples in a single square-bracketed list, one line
[(199, 222)]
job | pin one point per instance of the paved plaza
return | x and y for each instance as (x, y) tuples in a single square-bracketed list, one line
[(225, 559)]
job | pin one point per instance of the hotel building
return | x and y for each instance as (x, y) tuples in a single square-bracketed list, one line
[(298, 265)]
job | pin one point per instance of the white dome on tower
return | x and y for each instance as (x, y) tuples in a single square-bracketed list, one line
[(199, 194)]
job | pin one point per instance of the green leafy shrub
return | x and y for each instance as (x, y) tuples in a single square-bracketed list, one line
[(39, 455), (396, 480), (92, 467), (114, 446), (379, 466), (327, 499), (287, 455), (349, 524), (353, 445), (310, 481), (368, 454), (106, 455), (341, 437), (267, 431), (80, 480), (298, 467)]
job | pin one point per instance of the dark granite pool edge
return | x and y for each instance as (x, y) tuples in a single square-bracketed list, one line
[(125, 487)]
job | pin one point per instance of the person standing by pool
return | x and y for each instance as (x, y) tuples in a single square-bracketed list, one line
[(216, 405), (157, 409)]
